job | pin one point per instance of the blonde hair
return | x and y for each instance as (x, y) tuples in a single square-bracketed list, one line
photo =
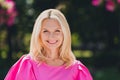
[(36, 49)]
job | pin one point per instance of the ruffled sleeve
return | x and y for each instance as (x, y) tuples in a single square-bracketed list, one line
[(21, 70), (81, 72)]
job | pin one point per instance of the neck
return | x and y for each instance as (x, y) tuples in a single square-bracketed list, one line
[(52, 54)]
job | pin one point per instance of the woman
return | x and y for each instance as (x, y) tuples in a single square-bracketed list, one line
[(50, 56)]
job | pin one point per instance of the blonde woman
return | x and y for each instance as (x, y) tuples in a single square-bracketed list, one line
[(50, 56)]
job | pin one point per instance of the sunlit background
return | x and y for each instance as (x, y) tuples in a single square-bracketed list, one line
[(95, 30)]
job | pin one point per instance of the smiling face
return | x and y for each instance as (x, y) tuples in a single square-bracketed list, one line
[(51, 34)]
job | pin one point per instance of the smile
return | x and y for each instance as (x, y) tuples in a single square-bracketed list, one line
[(52, 42)]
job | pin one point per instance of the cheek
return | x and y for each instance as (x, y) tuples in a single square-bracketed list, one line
[(43, 37), (61, 37)]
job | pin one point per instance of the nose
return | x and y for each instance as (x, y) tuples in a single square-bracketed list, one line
[(51, 35)]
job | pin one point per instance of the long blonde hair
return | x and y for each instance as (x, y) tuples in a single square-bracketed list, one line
[(36, 49)]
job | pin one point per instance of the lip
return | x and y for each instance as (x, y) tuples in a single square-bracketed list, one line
[(52, 42)]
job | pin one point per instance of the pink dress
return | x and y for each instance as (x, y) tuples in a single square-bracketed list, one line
[(27, 69)]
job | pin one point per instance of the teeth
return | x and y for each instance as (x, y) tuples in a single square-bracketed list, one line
[(51, 42)]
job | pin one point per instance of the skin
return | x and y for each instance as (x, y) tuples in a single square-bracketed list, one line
[(52, 37)]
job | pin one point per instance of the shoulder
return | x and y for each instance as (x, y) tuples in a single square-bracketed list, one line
[(24, 60), (80, 71), (21, 68)]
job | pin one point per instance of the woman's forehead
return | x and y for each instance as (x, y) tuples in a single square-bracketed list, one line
[(49, 22)]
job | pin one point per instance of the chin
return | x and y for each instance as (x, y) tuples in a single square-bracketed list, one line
[(52, 46)]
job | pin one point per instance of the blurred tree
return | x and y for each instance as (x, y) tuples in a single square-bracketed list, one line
[(110, 5), (7, 17)]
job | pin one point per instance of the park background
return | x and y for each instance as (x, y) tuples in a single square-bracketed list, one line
[(94, 24)]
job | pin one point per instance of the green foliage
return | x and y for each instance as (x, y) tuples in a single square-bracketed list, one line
[(107, 74), (3, 45), (83, 53), (75, 39)]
